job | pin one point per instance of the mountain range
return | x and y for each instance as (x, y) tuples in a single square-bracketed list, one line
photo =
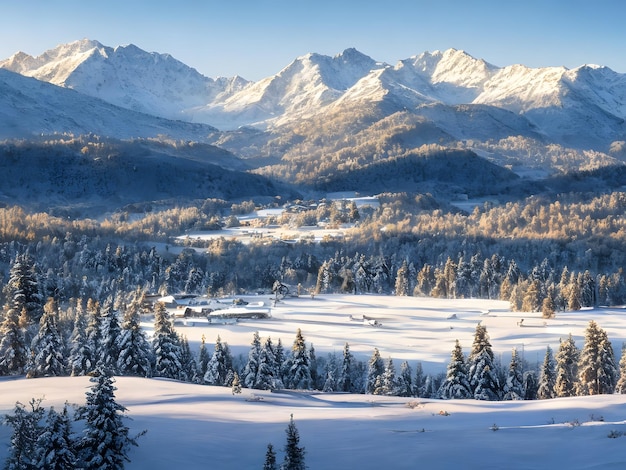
[(321, 118)]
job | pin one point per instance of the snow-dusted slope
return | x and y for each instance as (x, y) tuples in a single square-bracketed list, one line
[(29, 106), (125, 76)]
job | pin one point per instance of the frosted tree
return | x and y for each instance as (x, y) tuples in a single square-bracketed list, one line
[(344, 382), (14, 351), (456, 384), (47, 359), (375, 368), (270, 458), (279, 361), (567, 359), (22, 289), (251, 368), (547, 379), (27, 428), (402, 280), (111, 333), (54, 448), (482, 371), (236, 384), (597, 372), (405, 380), (93, 344), (530, 385), (386, 383), (300, 369), (514, 387), (330, 372), (217, 370), (189, 368), (166, 345), (267, 366), (203, 358), (313, 368), (135, 352), (419, 384), (105, 442), (294, 454), (621, 383)]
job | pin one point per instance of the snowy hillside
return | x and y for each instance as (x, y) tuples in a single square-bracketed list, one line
[(584, 107), (192, 426)]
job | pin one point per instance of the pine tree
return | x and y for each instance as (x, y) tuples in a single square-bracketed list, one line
[(27, 427), (330, 372), (22, 289), (93, 344), (345, 383), (300, 369), (375, 369), (217, 371), (313, 368), (514, 387), (386, 385), (267, 367), (270, 458), (566, 368), (597, 372), (55, 446), (111, 333), (279, 362), (482, 371), (621, 383), (294, 454), (105, 442), (419, 384), (547, 378), (251, 368), (530, 385), (203, 359), (47, 348), (236, 385), (405, 380), (78, 361), (14, 351), (189, 368), (456, 384), (402, 280), (135, 352), (166, 345)]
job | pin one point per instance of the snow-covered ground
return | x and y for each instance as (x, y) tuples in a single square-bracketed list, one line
[(194, 426)]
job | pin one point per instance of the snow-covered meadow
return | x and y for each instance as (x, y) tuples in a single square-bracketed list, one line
[(194, 426)]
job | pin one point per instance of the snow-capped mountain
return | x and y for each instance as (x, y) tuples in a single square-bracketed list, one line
[(125, 76), (583, 107)]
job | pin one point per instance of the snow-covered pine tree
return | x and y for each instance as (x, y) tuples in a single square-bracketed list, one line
[(188, 364), (270, 458), (330, 372), (279, 362), (106, 441), (597, 372), (405, 380), (166, 345), (514, 387), (621, 383), (236, 385), (93, 343), (27, 427), (267, 366), (402, 280), (456, 384), (22, 289), (567, 359), (47, 347), (547, 378), (203, 359), (300, 369), (313, 368), (375, 368), (216, 368), (344, 382), (419, 384), (54, 449), (482, 371), (530, 385), (387, 384), (251, 368), (14, 351), (294, 454), (135, 352), (111, 334)]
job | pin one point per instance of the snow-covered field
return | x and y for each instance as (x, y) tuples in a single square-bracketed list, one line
[(193, 426)]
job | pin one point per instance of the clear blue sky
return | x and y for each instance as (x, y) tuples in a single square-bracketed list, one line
[(257, 38)]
